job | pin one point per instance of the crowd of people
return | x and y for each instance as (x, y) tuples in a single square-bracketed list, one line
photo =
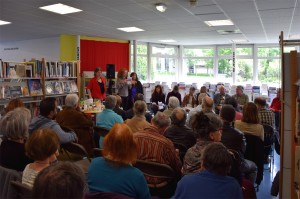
[(199, 145)]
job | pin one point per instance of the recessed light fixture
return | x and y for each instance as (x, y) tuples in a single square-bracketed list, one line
[(294, 37), (4, 22), (167, 40), (226, 22), (161, 7), (60, 9), (130, 29), (226, 32), (239, 41)]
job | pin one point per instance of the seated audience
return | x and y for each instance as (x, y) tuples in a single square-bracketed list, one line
[(79, 122), (42, 147), (48, 111), (265, 115), (195, 110), (158, 95), (178, 132), (234, 139), (207, 105), (114, 171), (130, 112), (213, 181), (173, 103), (203, 91), (276, 108), (61, 180), (240, 97), (107, 118), (153, 146), (174, 93), (219, 99), (250, 121), (117, 108), (232, 101), (14, 128), (207, 129), (138, 122), (189, 100)]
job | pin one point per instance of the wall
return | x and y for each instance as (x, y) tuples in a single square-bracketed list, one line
[(47, 48)]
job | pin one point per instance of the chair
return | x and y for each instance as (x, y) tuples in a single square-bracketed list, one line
[(99, 132), (157, 170), (269, 138), (23, 191), (254, 152), (6, 176), (235, 170), (77, 154), (98, 152), (182, 149)]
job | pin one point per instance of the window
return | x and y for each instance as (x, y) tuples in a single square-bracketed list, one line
[(268, 52), (269, 70), (225, 70), (244, 70), (198, 52), (141, 62), (225, 51), (246, 51)]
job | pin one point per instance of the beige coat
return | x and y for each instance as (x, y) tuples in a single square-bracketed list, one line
[(137, 123)]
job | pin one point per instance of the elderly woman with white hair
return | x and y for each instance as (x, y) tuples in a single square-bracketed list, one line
[(71, 117), (173, 103), (14, 128)]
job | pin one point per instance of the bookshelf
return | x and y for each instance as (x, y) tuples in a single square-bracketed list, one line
[(34, 80)]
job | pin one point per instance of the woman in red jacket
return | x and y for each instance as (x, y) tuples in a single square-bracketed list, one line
[(97, 85)]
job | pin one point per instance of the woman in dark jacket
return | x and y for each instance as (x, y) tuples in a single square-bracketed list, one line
[(158, 96), (135, 89)]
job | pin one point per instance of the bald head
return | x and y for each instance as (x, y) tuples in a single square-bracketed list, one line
[(207, 104), (178, 117)]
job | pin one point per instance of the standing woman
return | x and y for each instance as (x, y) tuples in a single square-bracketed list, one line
[(135, 89), (123, 86), (97, 85)]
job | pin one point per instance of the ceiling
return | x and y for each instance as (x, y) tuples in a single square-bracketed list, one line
[(260, 21)]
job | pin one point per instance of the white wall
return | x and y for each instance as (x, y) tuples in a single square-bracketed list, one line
[(48, 48)]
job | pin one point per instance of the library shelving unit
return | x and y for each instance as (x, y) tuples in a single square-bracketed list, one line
[(34, 80)]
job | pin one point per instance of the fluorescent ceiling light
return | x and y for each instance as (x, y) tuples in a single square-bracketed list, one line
[(130, 29), (239, 40), (60, 9), (226, 22), (226, 32), (4, 22), (167, 40), (294, 37), (161, 7)]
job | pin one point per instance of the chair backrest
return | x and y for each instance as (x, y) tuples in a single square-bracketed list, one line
[(7, 175), (154, 169), (268, 135), (99, 132), (76, 149), (98, 152), (235, 170), (23, 191), (255, 153)]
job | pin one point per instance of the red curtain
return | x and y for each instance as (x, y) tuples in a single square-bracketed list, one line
[(99, 53)]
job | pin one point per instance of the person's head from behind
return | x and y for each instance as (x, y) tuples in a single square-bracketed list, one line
[(216, 159), (227, 113), (161, 121), (72, 100), (260, 102), (232, 101), (207, 127), (250, 113), (173, 102), (97, 72), (134, 76), (222, 90), (14, 125), (178, 117), (110, 102), (123, 73), (175, 89), (158, 89), (192, 90), (239, 90), (139, 108), (48, 107), (120, 137), (138, 96), (43, 145), (203, 89), (14, 103), (119, 101), (207, 104), (61, 180)]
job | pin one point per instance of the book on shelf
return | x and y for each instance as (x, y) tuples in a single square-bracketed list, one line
[(49, 88), (57, 87), (35, 87), (15, 91), (74, 86), (66, 86), (61, 69), (21, 70)]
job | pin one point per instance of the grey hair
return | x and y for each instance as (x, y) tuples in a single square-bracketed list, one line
[(110, 102), (15, 123), (173, 102), (72, 100), (139, 108), (161, 120), (207, 107), (175, 117)]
